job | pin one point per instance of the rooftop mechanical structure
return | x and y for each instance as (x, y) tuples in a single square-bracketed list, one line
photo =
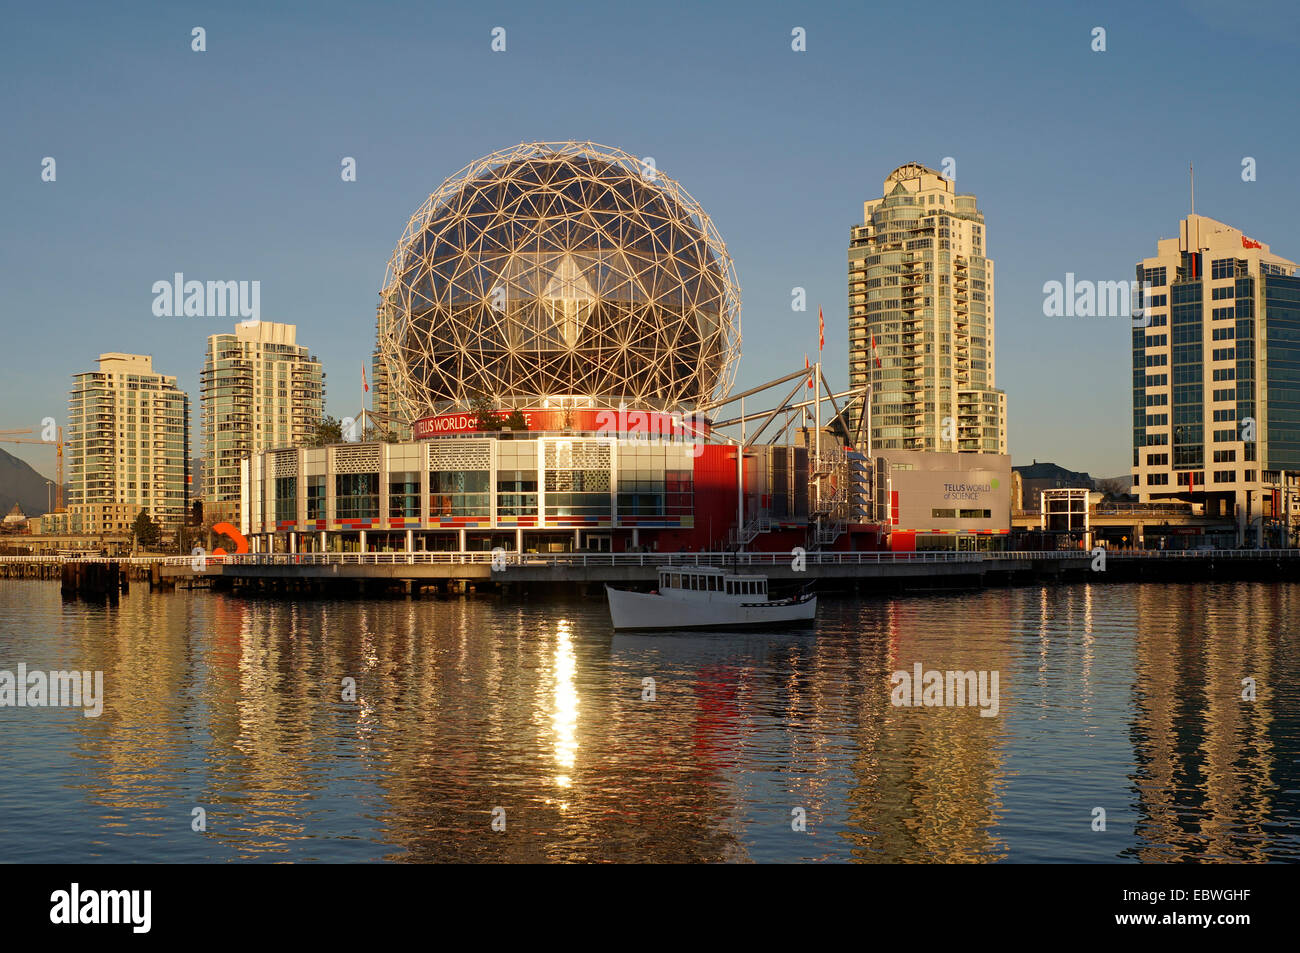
[(559, 273)]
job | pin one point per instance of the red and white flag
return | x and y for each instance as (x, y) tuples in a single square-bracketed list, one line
[(807, 366), (363, 379), (821, 330), (874, 353)]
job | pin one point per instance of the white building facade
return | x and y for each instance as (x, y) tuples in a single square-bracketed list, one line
[(1216, 376), (259, 388), (128, 440), (921, 318)]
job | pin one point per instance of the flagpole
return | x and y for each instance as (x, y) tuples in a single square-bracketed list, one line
[(740, 480), (803, 408), (364, 388), (817, 416), (817, 383), (868, 420)]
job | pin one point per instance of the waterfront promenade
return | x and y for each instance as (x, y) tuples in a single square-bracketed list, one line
[(459, 572)]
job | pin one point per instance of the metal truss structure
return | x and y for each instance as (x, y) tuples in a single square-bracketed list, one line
[(560, 272), (840, 474)]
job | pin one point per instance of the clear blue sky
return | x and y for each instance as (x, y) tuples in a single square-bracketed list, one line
[(225, 164)]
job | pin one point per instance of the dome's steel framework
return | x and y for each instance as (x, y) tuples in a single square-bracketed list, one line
[(564, 272)]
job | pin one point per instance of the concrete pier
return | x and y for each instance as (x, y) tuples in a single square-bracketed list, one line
[(463, 574), (460, 575)]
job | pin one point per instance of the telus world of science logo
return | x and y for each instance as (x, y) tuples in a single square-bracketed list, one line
[(103, 907)]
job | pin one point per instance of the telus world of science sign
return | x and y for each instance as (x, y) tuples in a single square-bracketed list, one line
[(942, 493)]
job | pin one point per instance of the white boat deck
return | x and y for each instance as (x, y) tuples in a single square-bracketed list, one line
[(707, 597)]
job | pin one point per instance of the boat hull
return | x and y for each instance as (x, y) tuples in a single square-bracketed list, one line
[(653, 612)]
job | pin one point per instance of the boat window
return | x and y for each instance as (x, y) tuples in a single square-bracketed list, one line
[(762, 588), (713, 583), (695, 581), (730, 589), (676, 581)]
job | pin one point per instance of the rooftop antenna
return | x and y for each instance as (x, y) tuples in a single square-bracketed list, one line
[(1191, 172)]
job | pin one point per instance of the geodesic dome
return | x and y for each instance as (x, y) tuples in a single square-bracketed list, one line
[(559, 270)]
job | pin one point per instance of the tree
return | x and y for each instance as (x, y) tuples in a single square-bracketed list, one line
[(328, 430), (1115, 488), (484, 411), (487, 416), (377, 434), (145, 530)]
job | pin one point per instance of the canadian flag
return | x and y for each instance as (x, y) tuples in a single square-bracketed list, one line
[(874, 353), (821, 330), (363, 379), (808, 367)]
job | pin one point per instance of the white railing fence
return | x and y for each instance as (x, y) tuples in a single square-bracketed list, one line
[(656, 559)]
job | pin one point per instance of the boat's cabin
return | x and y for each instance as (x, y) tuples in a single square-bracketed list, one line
[(699, 579)]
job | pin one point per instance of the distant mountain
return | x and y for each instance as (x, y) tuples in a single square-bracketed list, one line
[(20, 484)]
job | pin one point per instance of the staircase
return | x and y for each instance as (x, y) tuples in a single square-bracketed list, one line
[(751, 530), (828, 532)]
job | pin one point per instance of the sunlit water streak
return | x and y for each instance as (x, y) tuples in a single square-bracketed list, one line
[(1124, 697)]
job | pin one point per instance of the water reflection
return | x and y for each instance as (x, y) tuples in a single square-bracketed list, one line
[(565, 719), (1123, 697), (1213, 769)]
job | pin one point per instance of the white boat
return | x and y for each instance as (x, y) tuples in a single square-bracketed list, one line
[(700, 597)]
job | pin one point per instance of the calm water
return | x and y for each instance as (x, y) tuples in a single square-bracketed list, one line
[(1121, 697)]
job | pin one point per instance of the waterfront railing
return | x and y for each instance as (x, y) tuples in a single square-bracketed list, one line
[(579, 560), (656, 559)]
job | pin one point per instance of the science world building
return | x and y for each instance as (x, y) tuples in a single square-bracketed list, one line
[(558, 327), (559, 270), (586, 291)]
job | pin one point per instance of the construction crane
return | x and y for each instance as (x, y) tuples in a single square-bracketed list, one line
[(6, 436)]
